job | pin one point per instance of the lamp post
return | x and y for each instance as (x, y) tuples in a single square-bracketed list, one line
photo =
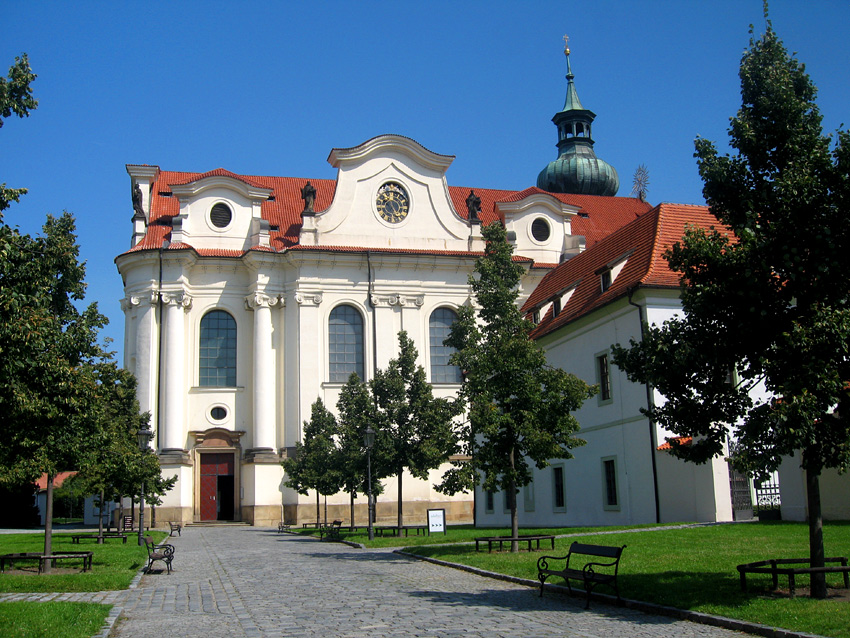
[(369, 441), (144, 436)]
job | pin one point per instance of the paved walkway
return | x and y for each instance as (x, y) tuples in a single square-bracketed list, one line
[(231, 582)]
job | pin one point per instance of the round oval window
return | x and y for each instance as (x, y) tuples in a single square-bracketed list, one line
[(540, 229), (220, 215), (218, 413)]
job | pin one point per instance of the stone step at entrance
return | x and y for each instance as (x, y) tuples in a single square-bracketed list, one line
[(218, 524)]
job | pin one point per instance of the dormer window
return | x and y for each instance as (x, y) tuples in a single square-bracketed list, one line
[(605, 279), (221, 215), (608, 273)]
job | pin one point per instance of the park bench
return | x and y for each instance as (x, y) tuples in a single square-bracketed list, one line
[(75, 538), (175, 527), (589, 574), (282, 527), (331, 531), (164, 553), (773, 568), (529, 539), (43, 558)]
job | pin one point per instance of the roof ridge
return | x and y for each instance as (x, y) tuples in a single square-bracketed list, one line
[(655, 241)]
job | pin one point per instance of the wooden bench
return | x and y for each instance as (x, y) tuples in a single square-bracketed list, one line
[(589, 574), (529, 539), (100, 537), (43, 558), (282, 527), (773, 568), (175, 527), (164, 553), (331, 531)]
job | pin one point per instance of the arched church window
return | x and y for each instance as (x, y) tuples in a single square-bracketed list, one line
[(218, 350), (345, 344), (439, 327)]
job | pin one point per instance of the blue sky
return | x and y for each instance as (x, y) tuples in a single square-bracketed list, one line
[(270, 88)]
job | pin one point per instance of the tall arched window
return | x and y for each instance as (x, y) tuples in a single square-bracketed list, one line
[(345, 344), (218, 350), (438, 327)]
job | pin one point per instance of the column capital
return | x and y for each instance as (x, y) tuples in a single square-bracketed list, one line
[(314, 298), (177, 298), (131, 301), (261, 300)]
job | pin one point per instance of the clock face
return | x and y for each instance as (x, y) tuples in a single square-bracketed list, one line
[(392, 202)]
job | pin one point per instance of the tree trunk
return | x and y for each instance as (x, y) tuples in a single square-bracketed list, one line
[(512, 505), (326, 510), (351, 511), (48, 522), (400, 500), (100, 518), (318, 510), (816, 548)]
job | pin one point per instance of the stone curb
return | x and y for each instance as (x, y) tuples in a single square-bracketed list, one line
[(650, 608)]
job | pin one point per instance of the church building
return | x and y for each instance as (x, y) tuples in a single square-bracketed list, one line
[(248, 297)]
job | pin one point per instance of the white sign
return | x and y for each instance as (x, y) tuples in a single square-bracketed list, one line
[(436, 521)]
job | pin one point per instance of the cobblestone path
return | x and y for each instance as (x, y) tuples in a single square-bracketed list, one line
[(232, 582)]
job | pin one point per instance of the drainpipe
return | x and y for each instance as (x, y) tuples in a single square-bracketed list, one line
[(372, 506), (164, 245), (650, 404)]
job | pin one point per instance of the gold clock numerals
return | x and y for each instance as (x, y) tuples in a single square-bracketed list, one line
[(392, 202)]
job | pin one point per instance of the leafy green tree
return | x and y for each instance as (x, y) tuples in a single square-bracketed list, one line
[(418, 427), (356, 409), (519, 407), (48, 356), (15, 98), (768, 301), (116, 467), (314, 465)]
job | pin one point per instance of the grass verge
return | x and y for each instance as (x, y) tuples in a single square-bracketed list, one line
[(36, 620), (694, 568), (454, 534), (113, 566)]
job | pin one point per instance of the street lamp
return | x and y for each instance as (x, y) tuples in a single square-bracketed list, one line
[(369, 441), (144, 436)]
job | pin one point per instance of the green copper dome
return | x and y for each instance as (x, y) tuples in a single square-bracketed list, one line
[(577, 169)]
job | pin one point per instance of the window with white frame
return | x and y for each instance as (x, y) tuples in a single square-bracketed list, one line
[(217, 350), (610, 489), (439, 326), (345, 344), (559, 499), (603, 377)]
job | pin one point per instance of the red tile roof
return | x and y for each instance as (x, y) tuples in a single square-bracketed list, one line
[(680, 440), (644, 240), (60, 478), (597, 218)]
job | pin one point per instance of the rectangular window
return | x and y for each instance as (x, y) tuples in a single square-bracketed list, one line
[(489, 505), (603, 377), (605, 280), (528, 497), (560, 501), (609, 477)]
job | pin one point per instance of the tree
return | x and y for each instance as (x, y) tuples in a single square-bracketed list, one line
[(116, 467), (15, 98), (314, 464), (765, 300), (48, 356), (519, 407), (356, 409), (418, 427)]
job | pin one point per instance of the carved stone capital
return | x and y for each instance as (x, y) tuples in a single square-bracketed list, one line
[(261, 300), (179, 298), (131, 301), (310, 298), (397, 300)]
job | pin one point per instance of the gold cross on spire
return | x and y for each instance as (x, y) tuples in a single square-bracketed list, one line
[(566, 44)]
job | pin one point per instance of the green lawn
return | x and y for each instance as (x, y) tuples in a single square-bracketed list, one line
[(37, 620), (454, 534), (113, 566), (694, 568)]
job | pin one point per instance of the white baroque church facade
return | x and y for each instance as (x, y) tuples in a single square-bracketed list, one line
[(249, 297)]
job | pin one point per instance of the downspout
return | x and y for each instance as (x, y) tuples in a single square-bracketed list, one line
[(650, 404), (371, 507), (159, 349)]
